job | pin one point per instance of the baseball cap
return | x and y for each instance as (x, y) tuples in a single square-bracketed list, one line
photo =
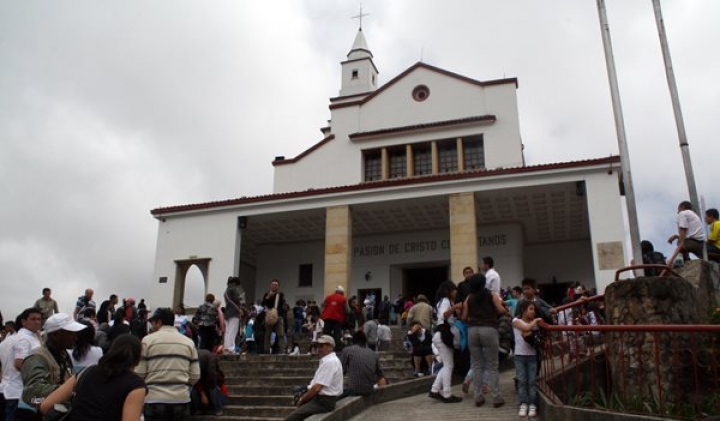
[(62, 321), (340, 288), (326, 339), (160, 312)]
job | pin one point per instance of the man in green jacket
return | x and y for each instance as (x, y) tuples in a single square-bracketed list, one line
[(48, 366)]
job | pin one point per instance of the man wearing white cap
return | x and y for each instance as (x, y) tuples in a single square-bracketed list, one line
[(49, 366), (326, 385), (334, 314)]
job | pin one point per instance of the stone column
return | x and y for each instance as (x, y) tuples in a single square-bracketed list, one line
[(460, 154), (338, 246), (463, 233), (409, 162)]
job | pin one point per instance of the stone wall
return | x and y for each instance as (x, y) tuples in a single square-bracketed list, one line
[(642, 363), (705, 277)]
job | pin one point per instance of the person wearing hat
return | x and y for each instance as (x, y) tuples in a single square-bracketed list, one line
[(326, 385), (48, 366), (169, 365), (334, 314), (421, 312)]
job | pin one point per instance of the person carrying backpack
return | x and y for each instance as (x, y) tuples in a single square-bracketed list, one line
[(206, 319), (652, 257)]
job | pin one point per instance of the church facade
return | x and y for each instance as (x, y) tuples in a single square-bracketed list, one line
[(412, 181)]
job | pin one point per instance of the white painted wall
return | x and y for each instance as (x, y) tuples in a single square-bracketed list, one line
[(383, 256), (339, 162), (211, 235), (568, 262), (283, 262), (504, 243), (606, 220)]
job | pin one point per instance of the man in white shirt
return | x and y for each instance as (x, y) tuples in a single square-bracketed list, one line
[(13, 351), (11, 380), (325, 387), (492, 278), (691, 233)]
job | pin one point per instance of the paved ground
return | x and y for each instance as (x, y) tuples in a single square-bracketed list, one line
[(421, 407)]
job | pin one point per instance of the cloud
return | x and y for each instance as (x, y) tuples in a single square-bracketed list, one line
[(111, 109)]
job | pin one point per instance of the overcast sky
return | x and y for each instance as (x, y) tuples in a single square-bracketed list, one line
[(111, 109)]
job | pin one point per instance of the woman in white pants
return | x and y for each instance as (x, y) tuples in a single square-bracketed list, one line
[(446, 308)]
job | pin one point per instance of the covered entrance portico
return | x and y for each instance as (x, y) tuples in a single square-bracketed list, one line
[(540, 231), (559, 224)]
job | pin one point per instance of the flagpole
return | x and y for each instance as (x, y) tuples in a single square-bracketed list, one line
[(636, 253), (677, 111)]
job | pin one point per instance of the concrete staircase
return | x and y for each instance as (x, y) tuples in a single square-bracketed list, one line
[(260, 386)]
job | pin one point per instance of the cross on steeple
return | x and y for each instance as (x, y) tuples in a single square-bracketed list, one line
[(360, 16)]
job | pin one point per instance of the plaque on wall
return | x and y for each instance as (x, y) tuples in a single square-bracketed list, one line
[(610, 255)]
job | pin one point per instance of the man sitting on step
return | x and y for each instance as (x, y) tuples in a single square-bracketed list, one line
[(326, 385), (362, 366)]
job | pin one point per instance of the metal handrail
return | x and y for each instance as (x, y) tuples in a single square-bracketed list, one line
[(630, 328), (578, 302), (665, 268)]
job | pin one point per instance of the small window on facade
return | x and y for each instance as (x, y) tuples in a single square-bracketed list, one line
[(373, 165), (422, 159), (355, 74), (305, 275), (420, 93), (474, 152), (447, 155), (398, 162)]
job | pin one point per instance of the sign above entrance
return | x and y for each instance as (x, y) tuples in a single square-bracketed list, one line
[(406, 247)]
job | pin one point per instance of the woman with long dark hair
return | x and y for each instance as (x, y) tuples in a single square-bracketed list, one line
[(109, 391), (120, 325), (85, 352), (480, 311), (446, 307)]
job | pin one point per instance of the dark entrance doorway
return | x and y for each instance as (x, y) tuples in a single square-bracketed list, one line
[(365, 293), (425, 281)]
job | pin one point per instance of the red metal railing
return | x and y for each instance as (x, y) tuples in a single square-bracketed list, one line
[(671, 371)]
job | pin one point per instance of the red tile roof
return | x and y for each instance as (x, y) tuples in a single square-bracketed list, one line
[(409, 181), (304, 153)]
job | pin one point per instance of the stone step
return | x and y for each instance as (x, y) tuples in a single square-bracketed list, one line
[(257, 411), (246, 384), (231, 369), (267, 400), (265, 390), (234, 418), (276, 381), (265, 373)]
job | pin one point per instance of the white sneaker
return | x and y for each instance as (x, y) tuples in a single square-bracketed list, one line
[(532, 412), (523, 412)]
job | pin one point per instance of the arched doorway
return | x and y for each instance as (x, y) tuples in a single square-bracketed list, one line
[(183, 272)]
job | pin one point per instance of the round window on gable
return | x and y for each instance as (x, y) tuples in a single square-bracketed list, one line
[(420, 93)]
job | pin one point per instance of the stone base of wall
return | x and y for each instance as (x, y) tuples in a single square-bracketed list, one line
[(705, 277)]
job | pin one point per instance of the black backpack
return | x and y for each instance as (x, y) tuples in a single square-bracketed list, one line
[(654, 258), (206, 315)]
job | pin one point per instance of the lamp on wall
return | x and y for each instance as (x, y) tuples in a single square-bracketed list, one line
[(368, 276), (242, 222), (580, 188)]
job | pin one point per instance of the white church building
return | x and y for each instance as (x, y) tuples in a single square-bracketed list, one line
[(412, 181)]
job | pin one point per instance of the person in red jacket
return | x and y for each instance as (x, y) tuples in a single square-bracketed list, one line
[(334, 314)]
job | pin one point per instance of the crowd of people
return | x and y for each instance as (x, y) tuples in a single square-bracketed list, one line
[(479, 318), (113, 362), (105, 360)]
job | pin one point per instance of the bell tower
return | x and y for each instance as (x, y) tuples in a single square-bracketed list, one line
[(359, 74)]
